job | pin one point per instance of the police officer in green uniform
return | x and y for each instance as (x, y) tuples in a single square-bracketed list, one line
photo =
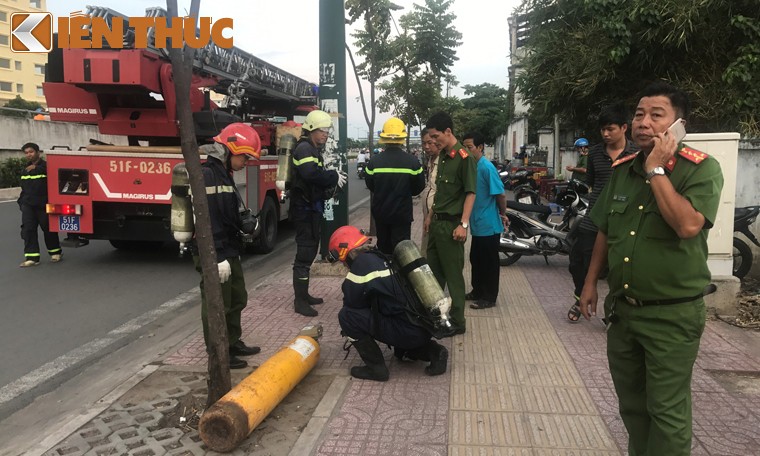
[(653, 218), (449, 219)]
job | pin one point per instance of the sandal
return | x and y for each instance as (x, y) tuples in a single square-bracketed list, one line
[(574, 314)]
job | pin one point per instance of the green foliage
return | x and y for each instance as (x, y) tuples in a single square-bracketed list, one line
[(10, 172), (352, 143), (19, 103), (435, 37), (486, 111), (372, 42), (584, 54), (411, 64)]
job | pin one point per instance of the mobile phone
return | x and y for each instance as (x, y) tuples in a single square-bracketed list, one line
[(677, 130)]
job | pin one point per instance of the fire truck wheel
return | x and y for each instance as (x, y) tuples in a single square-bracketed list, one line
[(268, 219)]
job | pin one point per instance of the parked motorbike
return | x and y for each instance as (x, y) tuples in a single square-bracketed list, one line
[(570, 190), (531, 232), (360, 170), (743, 218), (524, 187)]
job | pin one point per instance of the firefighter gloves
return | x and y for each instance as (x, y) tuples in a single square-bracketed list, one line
[(342, 178), (224, 271)]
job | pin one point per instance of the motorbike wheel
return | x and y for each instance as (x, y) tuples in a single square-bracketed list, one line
[(511, 258), (742, 258)]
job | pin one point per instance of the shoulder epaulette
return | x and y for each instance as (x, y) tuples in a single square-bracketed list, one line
[(463, 153), (692, 155), (624, 159)]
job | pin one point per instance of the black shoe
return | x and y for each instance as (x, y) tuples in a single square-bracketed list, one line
[(375, 372), (375, 368), (404, 355), (471, 296), (439, 358), (482, 304), (314, 301), (237, 363), (303, 308), (239, 348), (459, 330)]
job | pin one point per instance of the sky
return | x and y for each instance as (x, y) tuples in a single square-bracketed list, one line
[(286, 35)]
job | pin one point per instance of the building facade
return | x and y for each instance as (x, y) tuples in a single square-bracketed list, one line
[(20, 73), (517, 131)]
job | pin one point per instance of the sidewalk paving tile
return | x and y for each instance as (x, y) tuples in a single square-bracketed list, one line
[(522, 380)]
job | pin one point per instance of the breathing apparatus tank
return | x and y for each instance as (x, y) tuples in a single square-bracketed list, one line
[(287, 137), (182, 224), (415, 269)]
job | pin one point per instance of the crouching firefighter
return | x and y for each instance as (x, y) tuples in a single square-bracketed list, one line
[(312, 184), (378, 305), (230, 220)]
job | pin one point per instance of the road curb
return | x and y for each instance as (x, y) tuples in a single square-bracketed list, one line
[(309, 439), (10, 193)]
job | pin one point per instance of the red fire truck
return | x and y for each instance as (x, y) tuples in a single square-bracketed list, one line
[(122, 193)]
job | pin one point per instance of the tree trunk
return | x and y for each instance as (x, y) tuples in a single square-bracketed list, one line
[(219, 382)]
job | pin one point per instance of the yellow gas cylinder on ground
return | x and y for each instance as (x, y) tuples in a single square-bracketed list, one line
[(231, 419)]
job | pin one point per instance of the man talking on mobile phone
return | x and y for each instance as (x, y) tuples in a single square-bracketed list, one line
[(653, 218)]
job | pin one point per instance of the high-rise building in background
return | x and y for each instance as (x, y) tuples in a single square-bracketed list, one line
[(20, 73)]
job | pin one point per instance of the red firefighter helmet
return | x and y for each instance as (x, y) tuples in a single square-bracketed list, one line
[(343, 240), (240, 139)]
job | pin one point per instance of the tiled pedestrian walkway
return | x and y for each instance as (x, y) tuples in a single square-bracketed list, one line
[(521, 381)]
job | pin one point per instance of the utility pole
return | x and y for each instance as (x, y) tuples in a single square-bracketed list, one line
[(332, 99), (219, 381)]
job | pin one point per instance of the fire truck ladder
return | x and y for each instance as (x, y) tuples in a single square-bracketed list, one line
[(239, 72)]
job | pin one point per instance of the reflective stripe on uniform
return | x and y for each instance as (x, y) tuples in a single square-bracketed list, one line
[(221, 189), (413, 172), (369, 277), (36, 176), (307, 160)]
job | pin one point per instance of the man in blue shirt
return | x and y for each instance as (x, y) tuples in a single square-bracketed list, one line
[(487, 222)]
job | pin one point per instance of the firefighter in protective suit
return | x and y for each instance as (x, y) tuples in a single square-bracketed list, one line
[(308, 191), (232, 148), (375, 308), (394, 177)]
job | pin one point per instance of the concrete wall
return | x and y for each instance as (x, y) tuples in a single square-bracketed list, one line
[(567, 157), (748, 191), (517, 135), (15, 131)]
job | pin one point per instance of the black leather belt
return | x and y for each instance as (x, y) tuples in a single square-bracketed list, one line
[(660, 302), (447, 217)]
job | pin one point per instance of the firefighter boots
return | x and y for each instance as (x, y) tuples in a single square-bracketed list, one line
[(301, 302), (313, 300), (438, 357), (432, 351), (370, 353)]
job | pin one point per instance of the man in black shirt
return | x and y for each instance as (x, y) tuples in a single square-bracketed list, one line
[(613, 124)]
